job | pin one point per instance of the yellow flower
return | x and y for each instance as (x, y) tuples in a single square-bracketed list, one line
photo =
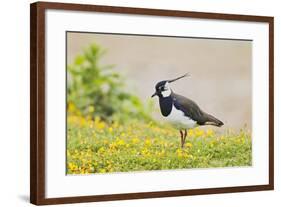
[(82, 121), (91, 109), (188, 144), (147, 142), (102, 170), (135, 140), (101, 150), (72, 166), (98, 123), (71, 107), (190, 133), (145, 152), (120, 142), (199, 133), (181, 153), (210, 133)]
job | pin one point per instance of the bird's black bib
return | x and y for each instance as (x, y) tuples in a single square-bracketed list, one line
[(166, 105)]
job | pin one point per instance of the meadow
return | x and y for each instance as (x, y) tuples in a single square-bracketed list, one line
[(94, 146)]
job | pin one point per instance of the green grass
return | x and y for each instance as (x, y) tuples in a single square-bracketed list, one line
[(96, 147)]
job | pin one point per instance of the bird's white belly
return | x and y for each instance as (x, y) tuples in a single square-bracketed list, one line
[(177, 117)]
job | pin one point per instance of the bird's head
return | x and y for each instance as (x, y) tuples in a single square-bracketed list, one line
[(162, 88)]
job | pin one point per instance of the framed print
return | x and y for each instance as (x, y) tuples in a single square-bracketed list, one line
[(130, 103)]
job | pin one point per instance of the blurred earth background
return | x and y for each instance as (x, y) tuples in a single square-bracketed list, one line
[(220, 81)]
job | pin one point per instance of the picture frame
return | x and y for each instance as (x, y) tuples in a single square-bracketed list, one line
[(39, 90)]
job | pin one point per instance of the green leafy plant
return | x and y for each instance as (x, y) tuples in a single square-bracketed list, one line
[(97, 90)]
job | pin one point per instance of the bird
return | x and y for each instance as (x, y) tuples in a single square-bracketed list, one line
[(182, 112)]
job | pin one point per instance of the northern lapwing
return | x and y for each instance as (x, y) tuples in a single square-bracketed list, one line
[(181, 111)]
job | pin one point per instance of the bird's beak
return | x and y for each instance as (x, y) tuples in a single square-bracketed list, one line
[(185, 75), (154, 94)]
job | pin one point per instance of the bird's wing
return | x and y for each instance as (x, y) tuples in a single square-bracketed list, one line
[(189, 107)]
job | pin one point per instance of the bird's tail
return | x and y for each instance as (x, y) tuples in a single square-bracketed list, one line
[(213, 121)]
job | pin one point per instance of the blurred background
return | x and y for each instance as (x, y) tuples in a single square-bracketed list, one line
[(220, 81)]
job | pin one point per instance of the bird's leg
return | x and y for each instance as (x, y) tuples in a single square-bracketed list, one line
[(185, 134), (181, 138)]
